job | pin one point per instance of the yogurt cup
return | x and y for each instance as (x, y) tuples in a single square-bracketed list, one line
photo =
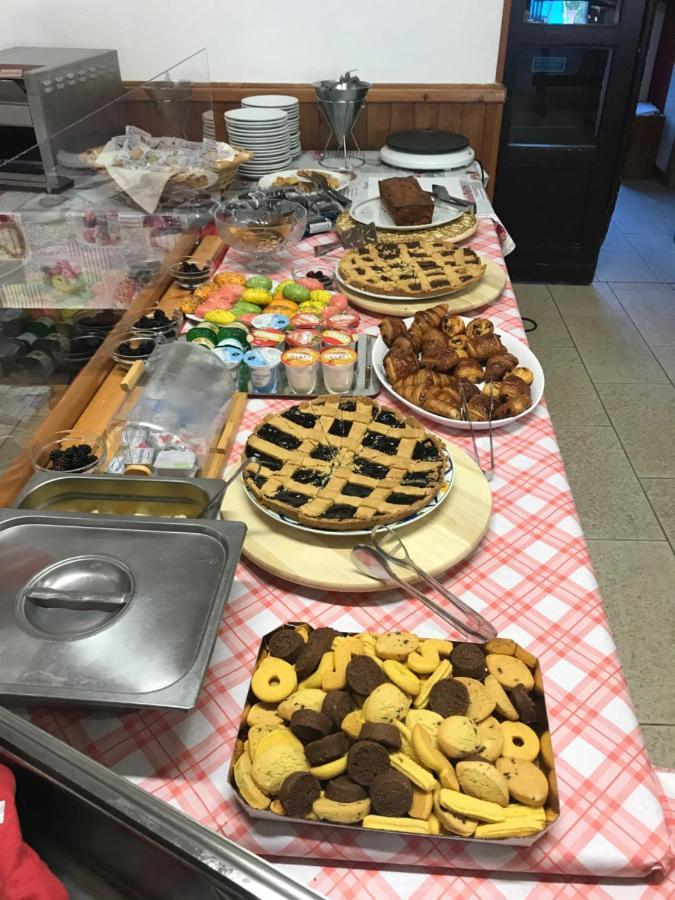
[(337, 367), (332, 338), (271, 322), (302, 369), (232, 357), (266, 338), (343, 321), (306, 320), (264, 365), (304, 337)]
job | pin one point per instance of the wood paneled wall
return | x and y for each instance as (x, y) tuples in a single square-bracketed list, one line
[(474, 110)]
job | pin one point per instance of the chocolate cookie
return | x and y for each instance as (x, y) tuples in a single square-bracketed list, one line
[(323, 637), (337, 705), (387, 735), (524, 704), (308, 661), (468, 661), (365, 760), (449, 698), (298, 793), (326, 749), (286, 644), (344, 790), (309, 725), (391, 794), (364, 675)]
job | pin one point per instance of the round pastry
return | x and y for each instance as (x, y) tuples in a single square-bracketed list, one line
[(514, 406), (286, 644), (453, 325), (491, 389), (486, 345), (449, 698), (468, 370), (460, 342), (498, 365), (513, 386), (478, 327), (390, 329), (478, 408), (364, 675)]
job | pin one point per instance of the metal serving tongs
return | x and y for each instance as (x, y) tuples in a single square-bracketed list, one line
[(355, 236), (376, 562), (489, 474)]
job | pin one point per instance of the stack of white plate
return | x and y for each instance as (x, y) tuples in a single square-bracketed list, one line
[(265, 133), (208, 126), (290, 105)]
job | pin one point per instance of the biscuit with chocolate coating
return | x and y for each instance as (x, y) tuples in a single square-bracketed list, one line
[(391, 794)]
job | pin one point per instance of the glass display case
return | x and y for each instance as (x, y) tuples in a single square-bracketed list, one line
[(137, 193)]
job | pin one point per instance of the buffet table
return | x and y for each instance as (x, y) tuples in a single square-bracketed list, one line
[(532, 577)]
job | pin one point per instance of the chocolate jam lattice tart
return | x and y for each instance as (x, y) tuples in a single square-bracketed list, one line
[(415, 269), (342, 463)]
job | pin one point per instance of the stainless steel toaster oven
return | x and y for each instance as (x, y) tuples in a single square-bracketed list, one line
[(43, 92)]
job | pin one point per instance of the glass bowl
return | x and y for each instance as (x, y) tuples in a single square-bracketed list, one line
[(169, 331), (191, 280), (135, 340), (81, 348), (261, 228), (62, 440), (96, 321), (303, 270)]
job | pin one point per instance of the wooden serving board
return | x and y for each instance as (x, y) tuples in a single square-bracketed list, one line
[(436, 543), (476, 295)]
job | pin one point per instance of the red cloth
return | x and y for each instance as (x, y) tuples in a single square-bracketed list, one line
[(23, 875)]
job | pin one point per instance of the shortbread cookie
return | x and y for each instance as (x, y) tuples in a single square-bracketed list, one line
[(527, 783), (341, 813), (396, 645), (491, 737), (503, 704), (509, 671), (484, 781), (481, 703), (520, 741), (387, 703), (457, 737)]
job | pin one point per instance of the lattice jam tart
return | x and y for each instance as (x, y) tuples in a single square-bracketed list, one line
[(342, 463), (414, 269)]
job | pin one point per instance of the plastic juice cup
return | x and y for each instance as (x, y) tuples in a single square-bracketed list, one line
[(337, 367), (302, 369)]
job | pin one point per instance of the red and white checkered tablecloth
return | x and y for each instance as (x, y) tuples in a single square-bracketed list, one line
[(532, 577)]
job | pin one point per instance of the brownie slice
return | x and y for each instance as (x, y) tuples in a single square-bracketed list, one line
[(406, 202)]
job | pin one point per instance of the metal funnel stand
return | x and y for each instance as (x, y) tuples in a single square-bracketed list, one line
[(340, 102)]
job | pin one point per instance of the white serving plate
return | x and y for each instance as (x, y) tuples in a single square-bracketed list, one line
[(421, 514), (275, 101), (406, 298), (254, 116), (525, 358), (268, 180), (373, 210)]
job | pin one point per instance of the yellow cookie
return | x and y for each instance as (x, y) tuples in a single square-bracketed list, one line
[(307, 698), (343, 813), (248, 789), (491, 738), (413, 772), (500, 645), (274, 680), (315, 680), (527, 783), (425, 659), (463, 805), (443, 670), (520, 741), (258, 732), (546, 749), (457, 737), (422, 804), (352, 723), (279, 738), (263, 714), (330, 769), (428, 755), (396, 645), (387, 703), (526, 657), (484, 781), (427, 718), (502, 701), (481, 704), (452, 822), (444, 648), (509, 671), (402, 677), (270, 769), (448, 778), (391, 823)]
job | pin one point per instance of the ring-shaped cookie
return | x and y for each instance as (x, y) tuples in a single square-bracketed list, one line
[(520, 741), (274, 680)]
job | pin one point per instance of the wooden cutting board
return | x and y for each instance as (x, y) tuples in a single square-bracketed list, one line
[(478, 294), (436, 543)]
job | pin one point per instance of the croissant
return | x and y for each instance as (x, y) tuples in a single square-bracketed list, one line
[(402, 343), (432, 337), (442, 402), (415, 387), (478, 327), (478, 408), (512, 386), (433, 316), (486, 345), (390, 329), (468, 389), (511, 407), (468, 370), (438, 359), (416, 334), (398, 365), (452, 325), (492, 389), (497, 366), (524, 374)]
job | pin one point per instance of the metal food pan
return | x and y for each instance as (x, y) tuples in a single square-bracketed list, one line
[(122, 495), (543, 725)]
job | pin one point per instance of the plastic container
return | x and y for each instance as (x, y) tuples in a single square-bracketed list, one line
[(205, 334), (62, 440), (304, 337), (337, 367), (271, 322), (332, 338), (264, 365), (302, 369)]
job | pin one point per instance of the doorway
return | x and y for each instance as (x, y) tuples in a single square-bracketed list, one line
[(572, 72)]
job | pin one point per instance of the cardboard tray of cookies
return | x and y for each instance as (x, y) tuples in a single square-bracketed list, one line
[(398, 733)]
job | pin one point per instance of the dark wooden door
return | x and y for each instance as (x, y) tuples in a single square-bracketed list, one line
[(572, 72)]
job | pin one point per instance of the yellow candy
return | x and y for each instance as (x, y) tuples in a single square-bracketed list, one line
[(257, 296), (319, 296), (220, 316)]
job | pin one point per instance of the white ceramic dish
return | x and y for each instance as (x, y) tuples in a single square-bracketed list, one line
[(268, 180), (254, 116), (525, 358), (399, 297), (275, 101), (374, 210), (425, 511)]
